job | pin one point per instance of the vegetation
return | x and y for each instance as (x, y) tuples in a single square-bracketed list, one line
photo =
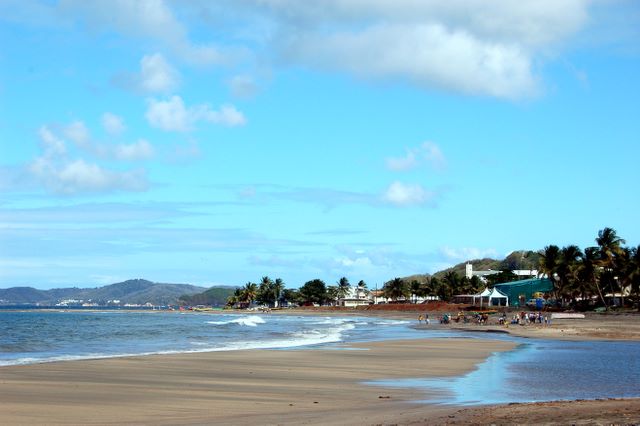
[(595, 273), (215, 296)]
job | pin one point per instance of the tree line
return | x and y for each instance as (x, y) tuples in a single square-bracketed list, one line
[(581, 279), (272, 293), (582, 276)]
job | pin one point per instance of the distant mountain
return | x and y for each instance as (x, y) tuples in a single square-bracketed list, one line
[(128, 292)]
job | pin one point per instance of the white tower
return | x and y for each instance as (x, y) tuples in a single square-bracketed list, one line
[(469, 270)]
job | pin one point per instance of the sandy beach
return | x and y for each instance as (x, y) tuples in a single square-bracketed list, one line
[(239, 387)]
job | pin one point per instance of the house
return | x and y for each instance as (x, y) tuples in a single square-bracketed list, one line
[(356, 296)]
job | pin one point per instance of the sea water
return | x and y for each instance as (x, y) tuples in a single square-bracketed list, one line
[(537, 370), (28, 337)]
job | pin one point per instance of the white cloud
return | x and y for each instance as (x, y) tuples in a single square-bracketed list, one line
[(428, 55), (428, 152), (400, 194), (60, 173), (113, 124), (151, 19), (173, 115), (156, 75), (170, 115), (52, 144), (78, 176), (402, 163), (472, 47), (140, 150), (78, 133)]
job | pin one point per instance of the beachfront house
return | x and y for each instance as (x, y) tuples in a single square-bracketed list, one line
[(356, 296)]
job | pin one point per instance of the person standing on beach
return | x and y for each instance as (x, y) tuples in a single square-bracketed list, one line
[(420, 318)]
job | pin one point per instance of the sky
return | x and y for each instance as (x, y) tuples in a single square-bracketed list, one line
[(214, 143)]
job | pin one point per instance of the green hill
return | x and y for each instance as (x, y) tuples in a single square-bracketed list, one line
[(519, 259), (215, 296)]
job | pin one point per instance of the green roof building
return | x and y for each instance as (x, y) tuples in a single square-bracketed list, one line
[(520, 291)]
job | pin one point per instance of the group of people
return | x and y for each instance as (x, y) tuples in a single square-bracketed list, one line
[(524, 318), (423, 317)]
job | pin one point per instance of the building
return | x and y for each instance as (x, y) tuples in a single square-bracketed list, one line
[(524, 273), (518, 292), (357, 296)]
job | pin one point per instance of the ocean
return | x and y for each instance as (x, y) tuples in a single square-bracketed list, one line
[(537, 370)]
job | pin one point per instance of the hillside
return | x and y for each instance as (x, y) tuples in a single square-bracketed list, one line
[(519, 259), (215, 296), (136, 291)]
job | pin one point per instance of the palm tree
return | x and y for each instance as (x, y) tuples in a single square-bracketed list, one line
[(278, 286), (548, 265), (589, 273), (333, 293), (610, 247), (248, 293), (343, 287), (395, 289), (416, 290), (567, 269)]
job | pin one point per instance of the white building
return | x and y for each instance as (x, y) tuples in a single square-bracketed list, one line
[(521, 273), (357, 296)]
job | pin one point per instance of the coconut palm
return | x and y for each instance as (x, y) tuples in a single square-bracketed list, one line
[(395, 289), (548, 264), (567, 269), (416, 290), (343, 287), (278, 287), (610, 250), (589, 273), (248, 293)]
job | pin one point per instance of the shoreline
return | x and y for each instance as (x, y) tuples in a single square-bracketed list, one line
[(301, 385), (319, 386)]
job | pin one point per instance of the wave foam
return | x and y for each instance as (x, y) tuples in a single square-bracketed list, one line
[(250, 321)]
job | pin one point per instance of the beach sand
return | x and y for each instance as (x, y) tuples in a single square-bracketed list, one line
[(317, 386), (322, 386)]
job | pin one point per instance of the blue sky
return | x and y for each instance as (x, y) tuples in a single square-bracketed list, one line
[(218, 142)]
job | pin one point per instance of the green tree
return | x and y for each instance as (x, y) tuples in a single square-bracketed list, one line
[(265, 294), (567, 271), (278, 287), (333, 293), (314, 291), (290, 296), (610, 249), (548, 263), (395, 289), (416, 290), (248, 294), (343, 287)]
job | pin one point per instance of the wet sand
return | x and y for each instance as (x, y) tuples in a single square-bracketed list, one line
[(240, 387)]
